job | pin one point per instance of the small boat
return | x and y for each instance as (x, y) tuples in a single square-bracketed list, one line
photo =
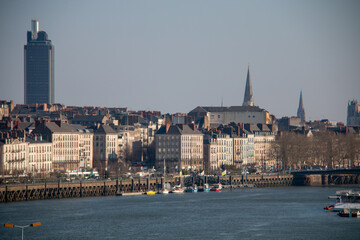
[(346, 199), (177, 190), (163, 191), (191, 189), (329, 207), (205, 188), (216, 188), (129, 193), (349, 213), (150, 192)]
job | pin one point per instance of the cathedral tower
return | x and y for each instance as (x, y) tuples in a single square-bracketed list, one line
[(301, 110), (248, 97)]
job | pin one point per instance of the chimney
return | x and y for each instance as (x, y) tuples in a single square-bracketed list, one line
[(192, 126), (58, 123), (181, 126), (38, 122), (167, 127)]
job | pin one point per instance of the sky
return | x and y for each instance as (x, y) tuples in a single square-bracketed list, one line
[(173, 56)]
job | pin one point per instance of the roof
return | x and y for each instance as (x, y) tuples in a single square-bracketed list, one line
[(228, 109), (180, 129), (88, 118), (65, 128), (80, 128), (34, 141), (105, 129)]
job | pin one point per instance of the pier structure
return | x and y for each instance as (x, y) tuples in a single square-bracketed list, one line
[(57, 190), (326, 177)]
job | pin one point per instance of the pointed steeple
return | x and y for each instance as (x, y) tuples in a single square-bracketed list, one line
[(301, 110), (248, 97)]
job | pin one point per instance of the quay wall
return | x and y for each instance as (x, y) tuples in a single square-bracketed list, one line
[(57, 190), (41, 191)]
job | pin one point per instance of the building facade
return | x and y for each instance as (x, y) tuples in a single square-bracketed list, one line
[(180, 147), (219, 151), (39, 156), (86, 143), (65, 144), (105, 146), (13, 153), (216, 116), (353, 113), (39, 67)]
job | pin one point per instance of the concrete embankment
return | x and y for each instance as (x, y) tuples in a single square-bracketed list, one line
[(57, 190)]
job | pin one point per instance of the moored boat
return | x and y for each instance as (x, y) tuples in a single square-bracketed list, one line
[(346, 199), (216, 188), (349, 213), (163, 191), (205, 188), (177, 190), (150, 192), (191, 189)]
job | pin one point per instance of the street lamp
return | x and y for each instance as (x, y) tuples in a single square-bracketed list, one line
[(22, 227)]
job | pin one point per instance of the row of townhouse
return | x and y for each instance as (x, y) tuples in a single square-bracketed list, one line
[(183, 147), (179, 147), (70, 147), (25, 155)]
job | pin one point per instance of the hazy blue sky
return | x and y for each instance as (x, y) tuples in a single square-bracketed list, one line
[(175, 55)]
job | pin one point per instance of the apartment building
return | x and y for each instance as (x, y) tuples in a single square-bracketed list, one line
[(13, 153), (86, 143), (105, 145), (218, 151), (180, 147), (39, 156), (65, 144)]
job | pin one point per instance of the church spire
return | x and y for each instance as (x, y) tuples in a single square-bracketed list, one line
[(301, 110), (248, 97)]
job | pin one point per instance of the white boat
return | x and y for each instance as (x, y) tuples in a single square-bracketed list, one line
[(346, 199), (163, 191), (216, 188), (177, 189)]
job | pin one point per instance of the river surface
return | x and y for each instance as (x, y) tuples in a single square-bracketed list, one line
[(258, 213)]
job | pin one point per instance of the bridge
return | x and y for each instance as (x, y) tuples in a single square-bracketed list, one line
[(326, 177)]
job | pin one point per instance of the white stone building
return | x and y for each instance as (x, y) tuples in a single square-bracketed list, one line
[(219, 151), (13, 153), (39, 156)]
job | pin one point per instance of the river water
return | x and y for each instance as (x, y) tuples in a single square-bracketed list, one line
[(258, 213)]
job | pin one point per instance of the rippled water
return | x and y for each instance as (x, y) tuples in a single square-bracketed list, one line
[(259, 213)]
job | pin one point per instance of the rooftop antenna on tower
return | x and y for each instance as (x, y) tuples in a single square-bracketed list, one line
[(222, 101)]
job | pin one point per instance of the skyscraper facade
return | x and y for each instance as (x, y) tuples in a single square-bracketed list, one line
[(39, 67)]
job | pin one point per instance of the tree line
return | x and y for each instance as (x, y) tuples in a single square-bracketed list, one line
[(321, 149)]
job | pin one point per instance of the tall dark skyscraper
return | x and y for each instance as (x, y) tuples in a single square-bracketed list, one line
[(301, 110), (39, 67)]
